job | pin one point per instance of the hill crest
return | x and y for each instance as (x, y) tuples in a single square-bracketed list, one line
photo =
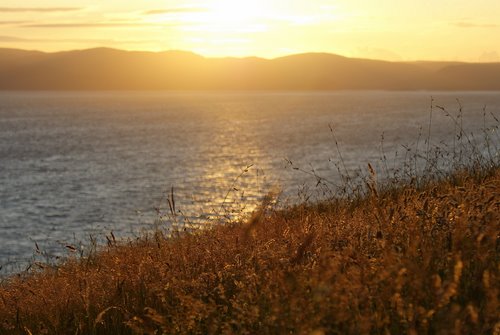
[(114, 69)]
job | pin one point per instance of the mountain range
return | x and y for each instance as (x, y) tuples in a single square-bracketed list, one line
[(112, 69)]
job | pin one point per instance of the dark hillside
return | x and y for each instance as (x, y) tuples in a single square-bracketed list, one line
[(110, 69)]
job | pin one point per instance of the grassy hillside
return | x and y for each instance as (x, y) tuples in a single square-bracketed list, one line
[(406, 260)]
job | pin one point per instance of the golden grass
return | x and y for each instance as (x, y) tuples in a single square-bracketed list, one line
[(399, 261)]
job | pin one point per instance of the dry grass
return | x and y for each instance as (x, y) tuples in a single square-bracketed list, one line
[(404, 260)]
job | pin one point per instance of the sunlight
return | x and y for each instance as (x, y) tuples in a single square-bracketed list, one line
[(231, 11), (225, 17)]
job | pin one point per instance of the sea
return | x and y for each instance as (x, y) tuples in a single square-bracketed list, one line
[(79, 168)]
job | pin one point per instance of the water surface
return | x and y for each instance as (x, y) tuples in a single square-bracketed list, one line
[(80, 164)]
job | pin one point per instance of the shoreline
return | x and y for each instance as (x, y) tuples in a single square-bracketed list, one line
[(400, 259)]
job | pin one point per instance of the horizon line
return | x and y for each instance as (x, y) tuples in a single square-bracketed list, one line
[(247, 56)]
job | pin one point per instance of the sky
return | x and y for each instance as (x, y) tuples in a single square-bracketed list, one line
[(395, 30)]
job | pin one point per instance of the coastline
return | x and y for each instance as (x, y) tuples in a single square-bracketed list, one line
[(400, 259)]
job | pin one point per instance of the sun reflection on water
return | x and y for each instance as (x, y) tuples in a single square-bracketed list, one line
[(233, 181)]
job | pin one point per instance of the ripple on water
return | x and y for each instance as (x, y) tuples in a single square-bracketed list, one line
[(80, 164)]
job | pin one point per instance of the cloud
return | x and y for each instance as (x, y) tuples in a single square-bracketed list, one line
[(6, 23), (38, 9), (464, 24), (489, 57), (12, 39), (93, 25), (174, 11)]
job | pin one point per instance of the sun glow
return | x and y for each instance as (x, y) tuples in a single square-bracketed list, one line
[(227, 18), (225, 27), (236, 12), (387, 29)]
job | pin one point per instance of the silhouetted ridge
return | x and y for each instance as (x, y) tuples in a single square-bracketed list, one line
[(112, 69)]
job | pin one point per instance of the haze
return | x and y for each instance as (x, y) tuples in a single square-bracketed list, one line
[(397, 30)]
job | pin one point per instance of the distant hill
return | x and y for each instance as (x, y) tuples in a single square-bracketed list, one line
[(111, 69)]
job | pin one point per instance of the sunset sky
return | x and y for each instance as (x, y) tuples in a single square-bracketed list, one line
[(385, 29)]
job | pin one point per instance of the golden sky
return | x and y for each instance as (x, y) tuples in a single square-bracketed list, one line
[(462, 30)]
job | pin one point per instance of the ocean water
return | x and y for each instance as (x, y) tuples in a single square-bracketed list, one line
[(80, 164)]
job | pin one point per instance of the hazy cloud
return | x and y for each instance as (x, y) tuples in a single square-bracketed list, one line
[(38, 9), (489, 57), (5, 23), (12, 39), (464, 24), (27, 40), (174, 11), (92, 25)]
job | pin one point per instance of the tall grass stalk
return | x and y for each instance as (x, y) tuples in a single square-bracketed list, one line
[(415, 254)]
